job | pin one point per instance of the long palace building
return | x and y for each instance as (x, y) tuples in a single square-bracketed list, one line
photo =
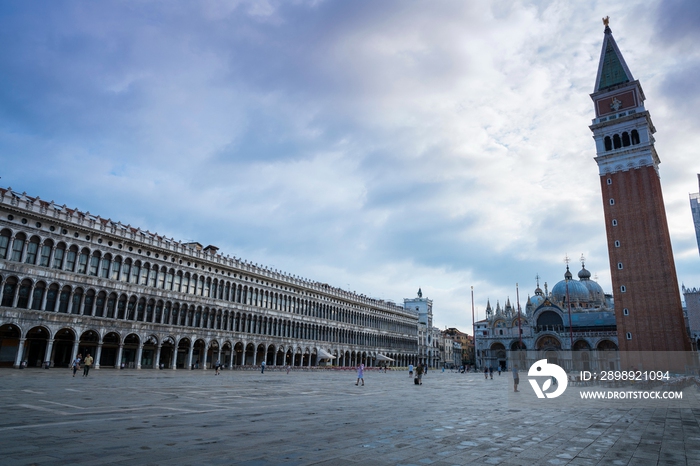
[(72, 282)]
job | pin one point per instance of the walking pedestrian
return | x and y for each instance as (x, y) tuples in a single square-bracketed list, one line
[(76, 364), (360, 374), (262, 370), (410, 370), (486, 373), (491, 372), (87, 364), (218, 368), (419, 374), (516, 378), (499, 370), (288, 368)]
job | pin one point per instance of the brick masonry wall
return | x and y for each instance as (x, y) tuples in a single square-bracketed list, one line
[(648, 271)]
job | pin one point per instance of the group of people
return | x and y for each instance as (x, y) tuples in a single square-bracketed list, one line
[(86, 363)]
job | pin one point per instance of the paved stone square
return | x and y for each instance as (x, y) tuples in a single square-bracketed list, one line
[(243, 417)]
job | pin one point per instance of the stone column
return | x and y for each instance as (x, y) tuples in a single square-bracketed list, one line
[(189, 356), (139, 353), (233, 355), (43, 300), (204, 358), (157, 358), (174, 359), (98, 355), (74, 353), (30, 299), (16, 297), (119, 355), (49, 350), (20, 352)]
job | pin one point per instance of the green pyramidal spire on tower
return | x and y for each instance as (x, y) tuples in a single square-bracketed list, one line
[(612, 69)]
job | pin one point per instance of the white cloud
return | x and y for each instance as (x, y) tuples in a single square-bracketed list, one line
[(379, 146)]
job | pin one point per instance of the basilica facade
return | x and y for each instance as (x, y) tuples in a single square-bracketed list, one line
[(572, 325), (72, 282)]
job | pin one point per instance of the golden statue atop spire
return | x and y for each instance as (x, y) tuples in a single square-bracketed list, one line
[(606, 20)]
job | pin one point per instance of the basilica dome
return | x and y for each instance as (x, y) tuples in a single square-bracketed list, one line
[(536, 301), (595, 291), (578, 292)]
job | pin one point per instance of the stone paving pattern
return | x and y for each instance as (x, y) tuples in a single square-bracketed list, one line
[(152, 417)]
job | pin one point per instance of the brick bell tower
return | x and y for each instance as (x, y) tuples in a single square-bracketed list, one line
[(648, 305)]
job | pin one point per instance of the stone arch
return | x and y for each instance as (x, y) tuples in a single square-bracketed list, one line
[(110, 349), (249, 354), (36, 341), (547, 343), (183, 351), (89, 340), (64, 340), (130, 350), (10, 335)]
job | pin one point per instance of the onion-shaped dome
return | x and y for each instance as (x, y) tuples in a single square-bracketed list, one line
[(577, 290), (595, 291), (584, 274)]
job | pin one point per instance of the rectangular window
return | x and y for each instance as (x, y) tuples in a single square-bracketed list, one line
[(82, 263), (45, 256), (32, 249), (17, 249), (94, 264), (116, 266), (126, 270), (4, 241), (178, 282), (58, 258), (135, 271), (152, 278), (144, 276), (37, 296), (70, 261), (104, 271), (169, 282), (161, 279)]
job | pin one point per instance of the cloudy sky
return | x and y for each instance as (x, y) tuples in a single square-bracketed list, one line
[(375, 146)]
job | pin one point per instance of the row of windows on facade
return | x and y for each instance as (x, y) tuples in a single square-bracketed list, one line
[(617, 243), (618, 141), (140, 310), (128, 271)]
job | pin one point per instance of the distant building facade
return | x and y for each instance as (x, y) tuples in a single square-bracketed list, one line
[(466, 343), (692, 304), (585, 340), (428, 336), (72, 282)]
